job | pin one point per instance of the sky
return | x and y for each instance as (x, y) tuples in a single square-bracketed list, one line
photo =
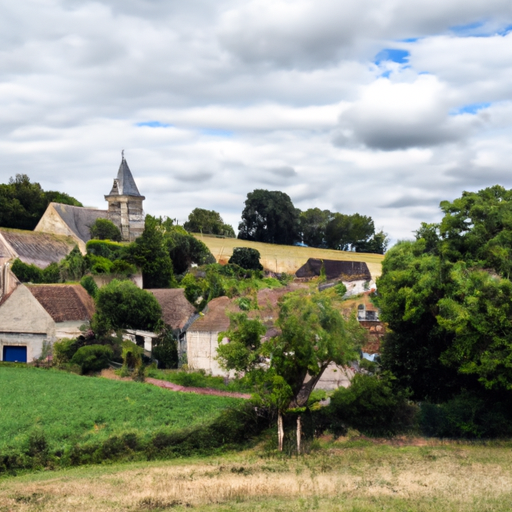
[(380, 107)]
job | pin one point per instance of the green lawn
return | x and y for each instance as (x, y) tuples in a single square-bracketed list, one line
[(71, 409)]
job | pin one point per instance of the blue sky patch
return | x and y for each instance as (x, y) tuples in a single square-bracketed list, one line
[(216, 132), (472, 108), (153, 124), (393, 55)]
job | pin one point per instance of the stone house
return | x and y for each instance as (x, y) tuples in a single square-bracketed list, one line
[(31, 315)]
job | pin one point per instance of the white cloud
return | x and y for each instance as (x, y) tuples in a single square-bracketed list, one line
[(281, 95)]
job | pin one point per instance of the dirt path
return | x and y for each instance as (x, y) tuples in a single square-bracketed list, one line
[(109, 374)]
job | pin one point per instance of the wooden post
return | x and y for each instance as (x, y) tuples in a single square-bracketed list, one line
[(280, 431), (299, 434)]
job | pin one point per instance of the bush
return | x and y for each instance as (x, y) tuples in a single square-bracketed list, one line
[(90, 285), (246, 257), (106, 249), (104, 229), (98, 264), (64, 350), (165, 350), (122, 267), (27, 273), (467, 415), (372, 406), (92, 358)]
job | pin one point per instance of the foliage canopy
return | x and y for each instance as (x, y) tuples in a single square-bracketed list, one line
[(447, 298)]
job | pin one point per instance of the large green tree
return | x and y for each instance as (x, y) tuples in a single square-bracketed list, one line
[(313, 223), (23, 203), (287, 367), (150, 254), (447, 299), (269, 216), (208, 222), (122, 305)]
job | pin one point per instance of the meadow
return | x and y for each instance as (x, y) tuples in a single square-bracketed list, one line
[(69, 410), (346, 475), (286, 258)]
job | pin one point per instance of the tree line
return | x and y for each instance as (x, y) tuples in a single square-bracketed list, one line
[(271, 217), (268, 216)]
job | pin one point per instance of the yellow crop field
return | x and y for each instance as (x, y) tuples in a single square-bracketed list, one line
[(286, 258)]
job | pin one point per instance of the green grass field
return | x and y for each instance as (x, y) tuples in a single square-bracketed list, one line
[(71, 409), (287, 258)]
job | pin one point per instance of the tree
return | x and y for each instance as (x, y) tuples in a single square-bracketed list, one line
[(347, 232), (184, 249), (447, 300), (246, 257), (313, 223), (269, 216), (104, 229), (208, 222), (287, 367), (149, 253), (23, 203), (122, 305)]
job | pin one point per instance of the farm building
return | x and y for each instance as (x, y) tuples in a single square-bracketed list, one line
[(33, 314)]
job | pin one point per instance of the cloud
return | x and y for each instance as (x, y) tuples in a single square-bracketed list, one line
[(382, 107), (391, 116)]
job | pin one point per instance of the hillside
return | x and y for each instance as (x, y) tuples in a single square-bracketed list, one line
[(286, 258)]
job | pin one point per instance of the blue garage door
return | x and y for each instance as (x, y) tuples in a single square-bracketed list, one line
[(15, 354)]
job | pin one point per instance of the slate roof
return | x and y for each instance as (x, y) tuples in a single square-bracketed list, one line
[(176, 309), (126, 185), (79, 219), (344, 270), (34, 247), (64, 302)]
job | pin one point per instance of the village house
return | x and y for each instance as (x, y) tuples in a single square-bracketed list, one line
[(32, 315)]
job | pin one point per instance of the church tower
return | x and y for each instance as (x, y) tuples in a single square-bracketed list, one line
[(125, 204)]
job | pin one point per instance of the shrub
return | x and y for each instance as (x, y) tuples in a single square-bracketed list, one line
[(92, 358), (122, 267), (98, 264), (104, 248), (104, 229), (372, 406), (246, 257), (64, 350), (165, 350), (27, 273), (467, 415), (90, 285), (73, 266)]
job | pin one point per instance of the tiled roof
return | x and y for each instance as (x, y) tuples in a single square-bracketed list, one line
[(176, 309), (64, 302), (215, 317), (34, 247), (79, 219), (344, 270)]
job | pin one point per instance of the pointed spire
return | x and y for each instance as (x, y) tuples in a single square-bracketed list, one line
[(124, 184)]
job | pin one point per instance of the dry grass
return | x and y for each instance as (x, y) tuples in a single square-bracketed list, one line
[(287, 258), (340, 478)]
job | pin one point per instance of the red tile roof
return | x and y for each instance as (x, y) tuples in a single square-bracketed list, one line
[(64, 302)]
